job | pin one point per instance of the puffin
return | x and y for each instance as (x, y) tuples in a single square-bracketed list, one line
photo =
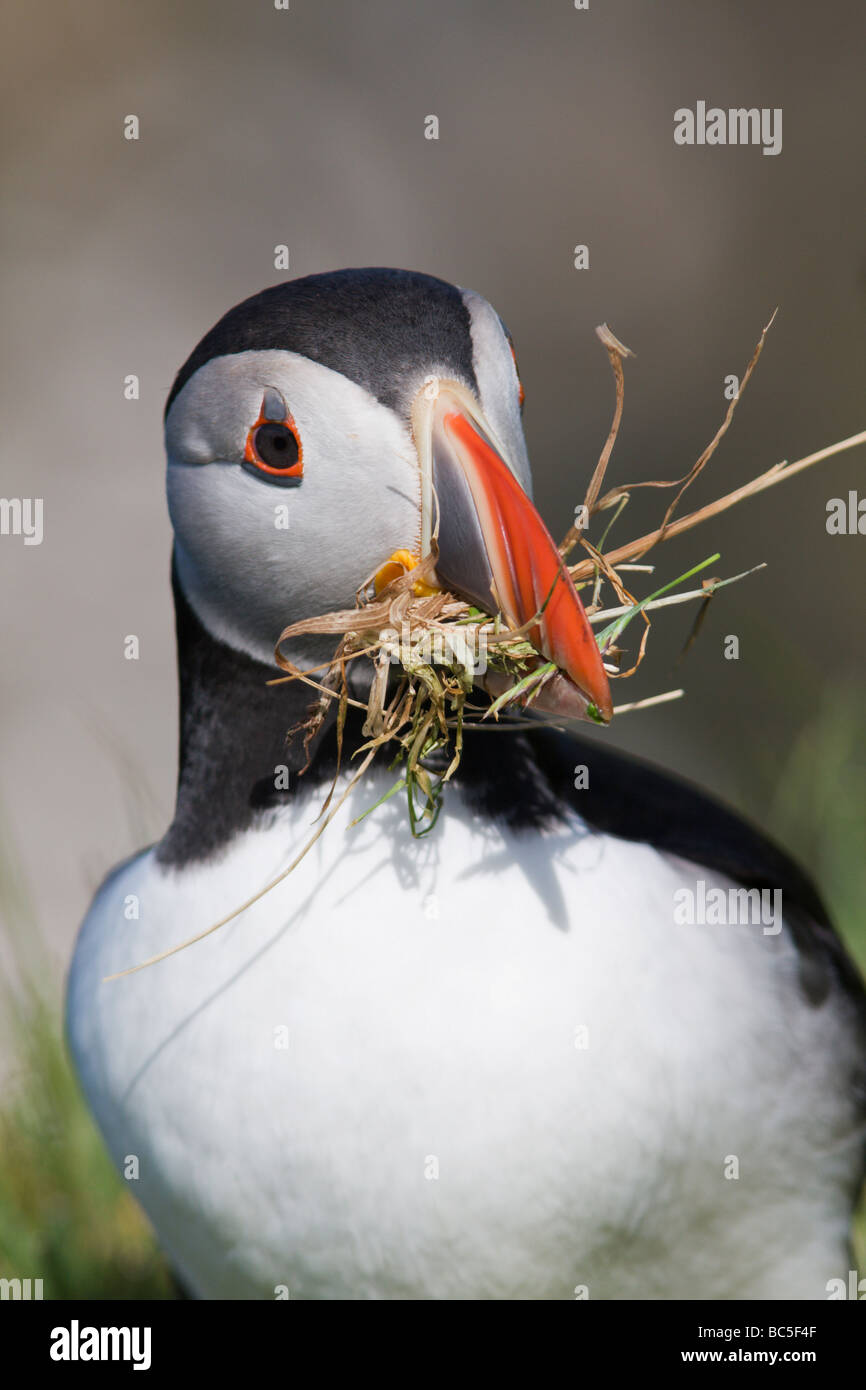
[(497, 1061)]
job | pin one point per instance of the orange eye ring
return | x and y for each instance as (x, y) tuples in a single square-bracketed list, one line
[(273, 445)]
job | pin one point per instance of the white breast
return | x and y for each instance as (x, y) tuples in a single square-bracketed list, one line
[(475, 1066)]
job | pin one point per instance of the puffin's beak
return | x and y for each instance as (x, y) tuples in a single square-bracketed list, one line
[(496, 552)]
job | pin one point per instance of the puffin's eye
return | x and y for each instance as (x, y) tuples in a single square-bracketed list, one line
[(273, 450), (276, 446)]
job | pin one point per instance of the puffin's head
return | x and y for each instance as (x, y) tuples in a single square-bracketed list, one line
[(328, 423)]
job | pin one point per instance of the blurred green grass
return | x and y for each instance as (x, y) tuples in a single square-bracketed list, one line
[(65, 1215)]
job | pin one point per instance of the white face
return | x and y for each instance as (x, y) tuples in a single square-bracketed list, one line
[(254, 556), (246, 574)]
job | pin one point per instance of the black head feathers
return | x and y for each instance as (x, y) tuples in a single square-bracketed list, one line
[(375, 326)]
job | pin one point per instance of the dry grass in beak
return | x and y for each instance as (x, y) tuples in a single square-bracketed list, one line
[(431, 641), (424, 644)]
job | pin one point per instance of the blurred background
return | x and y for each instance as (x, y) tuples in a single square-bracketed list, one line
[(306, 127)]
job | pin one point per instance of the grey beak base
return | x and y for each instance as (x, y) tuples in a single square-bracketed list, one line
[(462, 563)]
